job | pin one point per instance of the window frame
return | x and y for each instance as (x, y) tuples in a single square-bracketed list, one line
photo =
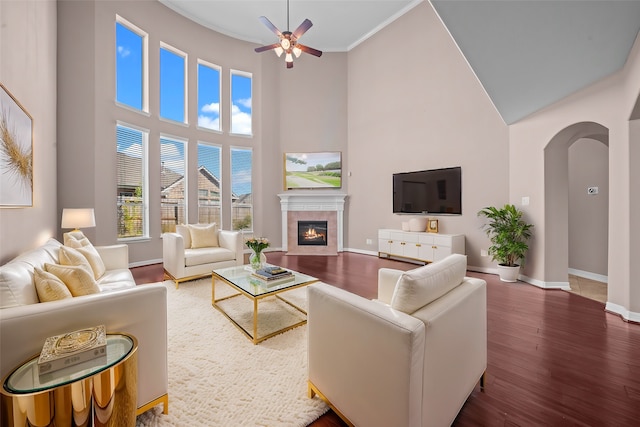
[(233, 148), (219, 147), (185, 100), (185, 199), (144, 170), (220, 109), (233, 72), (145, 66)]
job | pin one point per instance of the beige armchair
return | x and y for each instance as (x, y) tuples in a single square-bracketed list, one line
[(410, 358), (194, 250)]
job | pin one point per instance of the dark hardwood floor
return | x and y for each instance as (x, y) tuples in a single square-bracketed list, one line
[(554, 358)]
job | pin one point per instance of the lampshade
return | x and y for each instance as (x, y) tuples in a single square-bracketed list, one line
[(78, 218)]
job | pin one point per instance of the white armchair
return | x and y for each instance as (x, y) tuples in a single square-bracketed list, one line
[(377, 365), (185, 259)]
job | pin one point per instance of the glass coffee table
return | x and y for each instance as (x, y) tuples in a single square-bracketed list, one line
[(240, 279)]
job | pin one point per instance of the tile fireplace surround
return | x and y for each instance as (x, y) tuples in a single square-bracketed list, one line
[(312, 207)]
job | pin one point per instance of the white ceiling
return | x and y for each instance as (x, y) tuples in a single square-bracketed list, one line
[(527, 54)]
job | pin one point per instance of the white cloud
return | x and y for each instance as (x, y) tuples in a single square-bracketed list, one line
[(246, 102), (214, 107), (134, 150), (209, 122), (168, 151), (123, 51), (240, 122)]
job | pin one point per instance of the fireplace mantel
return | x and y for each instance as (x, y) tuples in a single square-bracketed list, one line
[(320, 202)]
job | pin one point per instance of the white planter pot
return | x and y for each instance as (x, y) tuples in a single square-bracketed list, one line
[(508, 274)]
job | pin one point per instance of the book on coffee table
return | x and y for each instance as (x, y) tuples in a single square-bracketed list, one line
[(272, 273), (61, 351)]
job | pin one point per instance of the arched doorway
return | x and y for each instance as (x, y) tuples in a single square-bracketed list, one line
[(557, 191)]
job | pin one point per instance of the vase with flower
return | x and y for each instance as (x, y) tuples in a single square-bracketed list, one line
[(257, 259)]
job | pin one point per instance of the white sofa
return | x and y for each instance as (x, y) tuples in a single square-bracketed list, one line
[(121, 306), (379, 366), (182, 262)]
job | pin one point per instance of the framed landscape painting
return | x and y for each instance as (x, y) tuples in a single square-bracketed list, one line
[(16, 152), (313, 170)]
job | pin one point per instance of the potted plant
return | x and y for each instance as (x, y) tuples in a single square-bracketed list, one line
[(509, 234)]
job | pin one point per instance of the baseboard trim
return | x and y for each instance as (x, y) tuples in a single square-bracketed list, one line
[(588, 275), (545, 285), (143, 263), (628, 316)]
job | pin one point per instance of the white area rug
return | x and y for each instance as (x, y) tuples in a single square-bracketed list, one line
[(217, 377)]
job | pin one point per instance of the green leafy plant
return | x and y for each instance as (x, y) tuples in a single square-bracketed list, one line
[(508, 233)]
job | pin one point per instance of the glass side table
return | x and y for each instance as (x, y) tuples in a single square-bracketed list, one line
[(101, 392)]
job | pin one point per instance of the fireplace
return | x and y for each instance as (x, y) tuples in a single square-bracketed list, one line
[(312, 233), (313, 207)]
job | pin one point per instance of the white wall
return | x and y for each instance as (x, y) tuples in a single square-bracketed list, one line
[(416, 105), (28, 71), (608, 103), (588, 213)]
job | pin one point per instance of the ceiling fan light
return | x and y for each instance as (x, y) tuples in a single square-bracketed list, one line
[(288, 58), (297, 51), (285, 43), (278, 51)]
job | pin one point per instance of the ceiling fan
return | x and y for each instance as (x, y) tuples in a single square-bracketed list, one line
[(288, 41)]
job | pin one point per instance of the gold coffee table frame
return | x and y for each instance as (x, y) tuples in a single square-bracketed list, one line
[(238, 279)]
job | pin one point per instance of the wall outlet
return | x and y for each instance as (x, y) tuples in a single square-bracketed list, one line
[(525, 201), (369, 242), (592, 190), (483, 252)]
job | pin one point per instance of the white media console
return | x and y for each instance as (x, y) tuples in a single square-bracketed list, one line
[(418, 246)]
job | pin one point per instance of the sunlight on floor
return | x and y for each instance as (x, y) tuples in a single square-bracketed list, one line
[(588, 288)]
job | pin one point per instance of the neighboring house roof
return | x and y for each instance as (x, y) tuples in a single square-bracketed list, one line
[(129, 171), (168, 177)]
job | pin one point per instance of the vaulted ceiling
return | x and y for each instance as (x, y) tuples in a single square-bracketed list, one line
[(527, 54)]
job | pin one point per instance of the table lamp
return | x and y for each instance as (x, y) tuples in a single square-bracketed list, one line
[(78, 218)]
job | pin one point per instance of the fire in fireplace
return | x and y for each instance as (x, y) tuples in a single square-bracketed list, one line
[(312, 233)]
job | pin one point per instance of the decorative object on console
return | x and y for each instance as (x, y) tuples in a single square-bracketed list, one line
[(62, 351), (288, 41), (16, 152), (432, 226), (78, 218), (257, 259), (418, 224), (312, 170), (509, 234)]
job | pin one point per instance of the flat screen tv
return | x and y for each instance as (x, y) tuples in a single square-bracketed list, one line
[(432, 192)]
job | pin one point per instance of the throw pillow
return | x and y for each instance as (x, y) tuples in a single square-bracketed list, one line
[(183, 230), (78, 280), (75, 239), (418, 287), (49, 287), (71, 256), (204, 236), (95, 261)]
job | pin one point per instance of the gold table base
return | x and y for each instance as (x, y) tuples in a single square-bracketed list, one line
[(253, 337), (106, 399)]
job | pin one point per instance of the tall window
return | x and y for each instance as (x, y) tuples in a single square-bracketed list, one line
[(131, 65), (209, 184), (208, 96), (173, 71), (131, 164), (173, 183), (241, 103), (241, 195)]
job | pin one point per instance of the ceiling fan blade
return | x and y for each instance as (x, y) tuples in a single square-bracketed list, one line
[(312, 51), (270, 26), (302, 28), (268, 47), (289, 64)]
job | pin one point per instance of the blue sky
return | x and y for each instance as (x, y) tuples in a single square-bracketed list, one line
[(129, 51)]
